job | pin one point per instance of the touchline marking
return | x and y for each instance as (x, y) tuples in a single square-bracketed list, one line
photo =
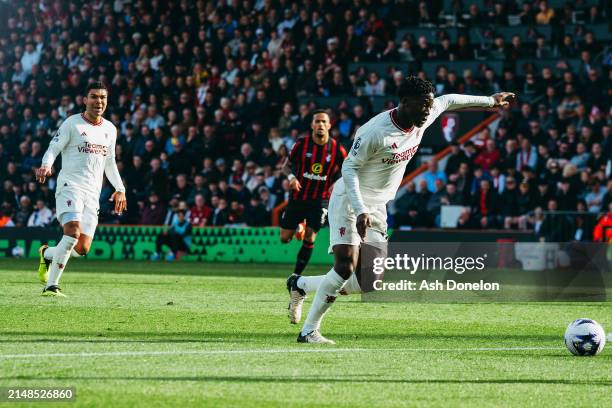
[(221, 352)]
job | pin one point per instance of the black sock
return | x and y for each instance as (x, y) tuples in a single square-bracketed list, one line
[(303, 257)]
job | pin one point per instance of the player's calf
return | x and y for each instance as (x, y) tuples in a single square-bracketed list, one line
[(62, 254)]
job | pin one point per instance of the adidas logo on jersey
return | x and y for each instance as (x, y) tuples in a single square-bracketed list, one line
[(83, 134), (394, 146)]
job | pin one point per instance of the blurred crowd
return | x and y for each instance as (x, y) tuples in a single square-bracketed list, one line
[(208, 98)]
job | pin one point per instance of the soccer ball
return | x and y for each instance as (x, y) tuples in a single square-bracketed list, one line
[(585, 337)]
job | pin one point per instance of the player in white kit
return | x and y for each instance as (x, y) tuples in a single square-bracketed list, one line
[(86, 142), (371, 175)]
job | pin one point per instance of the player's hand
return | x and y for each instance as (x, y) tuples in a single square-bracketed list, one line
[(363, 223), (120, 202), (42, 173), (503, 99), (294, 184)]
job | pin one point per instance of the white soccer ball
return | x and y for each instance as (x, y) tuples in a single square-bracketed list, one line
[(585, 337)]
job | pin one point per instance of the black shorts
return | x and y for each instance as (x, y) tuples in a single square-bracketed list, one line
[(297, 211)]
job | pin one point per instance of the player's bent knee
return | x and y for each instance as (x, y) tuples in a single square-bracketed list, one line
[(72, 231), (286, 236), (310, 235), (344, 265)]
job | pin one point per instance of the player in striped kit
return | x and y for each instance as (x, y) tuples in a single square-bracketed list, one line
[(314, 165), (371, 175), (86, 142)]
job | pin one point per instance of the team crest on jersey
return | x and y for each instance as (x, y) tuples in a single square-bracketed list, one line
[(342, 231), (106, 135), (328, 158), (69, 203), (308, 154)]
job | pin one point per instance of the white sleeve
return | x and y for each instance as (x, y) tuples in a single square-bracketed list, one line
[(363, 147), (57, 145), (456, 101), (111, 170)]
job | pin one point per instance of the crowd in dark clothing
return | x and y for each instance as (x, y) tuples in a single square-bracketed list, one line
[(206, 96)]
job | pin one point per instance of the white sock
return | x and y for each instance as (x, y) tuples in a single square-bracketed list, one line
[(310, 283), (62, 254), (323, 299), (50, 253), (352, 285)]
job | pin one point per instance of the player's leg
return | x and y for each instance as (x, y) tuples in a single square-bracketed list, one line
[(315, 219), (70, 207), (72, 232), (345, 261), (344, 243), (305, 252), (79, 230), (297, 292), (286, 235)]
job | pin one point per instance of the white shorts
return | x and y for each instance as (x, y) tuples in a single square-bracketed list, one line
[(343, 222), (72, 205)]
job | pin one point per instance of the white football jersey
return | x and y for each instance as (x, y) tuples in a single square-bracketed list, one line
[(381, 150), (87, 150)]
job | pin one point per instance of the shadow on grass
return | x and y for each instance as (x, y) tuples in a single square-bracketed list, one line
[(101, 336), (317, 380), (253, 270)]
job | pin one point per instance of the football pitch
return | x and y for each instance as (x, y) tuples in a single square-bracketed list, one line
[(185, 334)]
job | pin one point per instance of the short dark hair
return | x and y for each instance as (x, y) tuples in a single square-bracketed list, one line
[(413, 86), (316, 112), (95, 85)]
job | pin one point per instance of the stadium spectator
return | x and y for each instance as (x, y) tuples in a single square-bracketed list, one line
[(456, 157), (432, 174), (190, 94), (41, 216), (152, 213), (200, 213), (177, 238)]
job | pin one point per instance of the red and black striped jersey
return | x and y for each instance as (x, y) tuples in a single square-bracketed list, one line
[(316, 167)]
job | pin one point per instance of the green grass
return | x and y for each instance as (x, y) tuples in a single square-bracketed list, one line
[(227, 342)]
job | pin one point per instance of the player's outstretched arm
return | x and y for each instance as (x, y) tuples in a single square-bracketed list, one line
[(503, 99), (457, 101), (58, 143)]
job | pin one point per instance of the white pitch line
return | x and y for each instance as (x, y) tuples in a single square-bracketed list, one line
[(277, 351)]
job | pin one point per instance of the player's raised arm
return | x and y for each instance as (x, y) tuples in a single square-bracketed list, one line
[(113, 176), (58, 143), (458, 101)]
